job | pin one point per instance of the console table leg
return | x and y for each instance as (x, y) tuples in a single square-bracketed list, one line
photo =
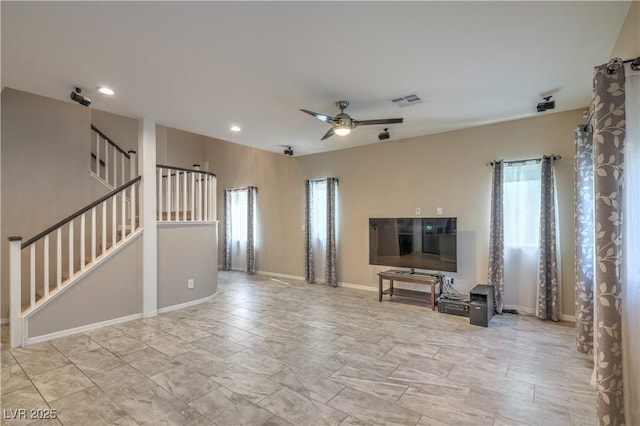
[(433, 297), (391, 287), (379, 289)]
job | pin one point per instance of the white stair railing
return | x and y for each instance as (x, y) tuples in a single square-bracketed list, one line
[(109, 162), (185, 195), (65, 246)]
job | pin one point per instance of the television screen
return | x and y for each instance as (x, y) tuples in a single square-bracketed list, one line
[(419, 243)]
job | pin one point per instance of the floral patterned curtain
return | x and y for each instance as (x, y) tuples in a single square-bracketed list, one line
[(608, 137), (252, 193), (548, 288), (226, 261), (584, 226), (496, 239), (309, 273), (331, 274)]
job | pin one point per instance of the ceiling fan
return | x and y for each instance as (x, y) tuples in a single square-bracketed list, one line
[(342, 124)]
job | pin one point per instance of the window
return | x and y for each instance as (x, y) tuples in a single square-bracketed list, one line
[(319, 210), (239, 212), (521, 198)]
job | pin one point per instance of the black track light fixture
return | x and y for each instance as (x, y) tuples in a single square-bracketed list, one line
[(546, 104), (77, 96)]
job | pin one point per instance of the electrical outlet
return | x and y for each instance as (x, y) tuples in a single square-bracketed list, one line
[(417, 211), (190, 284), (439, 211)]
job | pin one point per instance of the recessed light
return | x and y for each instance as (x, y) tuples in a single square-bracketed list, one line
[(105, 91), (235, 129)]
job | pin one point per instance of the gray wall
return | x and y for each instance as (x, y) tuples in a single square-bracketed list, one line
[(186, 252), (391, 179), (122, 130), (45, 168), (112, 290)]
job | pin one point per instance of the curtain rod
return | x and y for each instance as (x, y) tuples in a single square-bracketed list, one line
[(612, 67), (323, 180), (244, 188), (537, 160), (586, 125), (615, 63)]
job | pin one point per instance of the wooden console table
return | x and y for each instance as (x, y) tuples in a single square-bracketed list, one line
[(417, 278)]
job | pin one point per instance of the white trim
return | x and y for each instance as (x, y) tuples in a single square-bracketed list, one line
[(187, 304), (101, 180), (522, 310), (4, 320), (166, 223), (277, 275), (78, 276), (359, 286), (81, 329), (147, 165), (150, 314), (528, 311)]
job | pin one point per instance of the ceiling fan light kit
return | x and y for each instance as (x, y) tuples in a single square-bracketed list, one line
[(342, 124)]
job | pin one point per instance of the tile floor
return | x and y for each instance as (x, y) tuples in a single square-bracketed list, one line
[(272, 352)]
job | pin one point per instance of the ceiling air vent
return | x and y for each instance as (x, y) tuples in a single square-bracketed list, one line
[(408, 100)]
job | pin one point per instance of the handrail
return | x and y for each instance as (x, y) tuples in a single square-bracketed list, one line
[(112, 143), (80, 212), (186, 170), (102, 163)]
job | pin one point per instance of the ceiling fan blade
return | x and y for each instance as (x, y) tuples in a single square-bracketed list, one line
[(380, 121), (328, 134), (321, 117)]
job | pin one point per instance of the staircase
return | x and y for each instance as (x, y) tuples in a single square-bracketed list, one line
[(110, 163), (46, 265)]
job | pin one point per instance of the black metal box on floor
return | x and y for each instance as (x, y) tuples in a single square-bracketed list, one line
[(453, 307), (481, 305)]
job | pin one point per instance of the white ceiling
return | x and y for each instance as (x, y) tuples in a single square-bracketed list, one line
[(203, 66)]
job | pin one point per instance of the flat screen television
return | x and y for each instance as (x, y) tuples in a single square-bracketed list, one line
[(418, 243)]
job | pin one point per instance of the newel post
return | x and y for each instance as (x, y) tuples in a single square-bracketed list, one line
[(15, 291), (133, 162)]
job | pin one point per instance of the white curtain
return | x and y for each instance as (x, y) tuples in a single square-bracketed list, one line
[(318, 206), (521, 195), (631, 252), (239, 229)]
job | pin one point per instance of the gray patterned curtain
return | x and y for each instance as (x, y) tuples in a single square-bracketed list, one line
[(252, 193), (496, 238), (226, 262), (548, 289), (331, 276), (309, 273), (608, 137), (584, 226)]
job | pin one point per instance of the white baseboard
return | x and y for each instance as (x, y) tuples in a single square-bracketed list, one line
[(568, 318), (522, 310), (187, 304), (358, 286), (277, 275), (81, 329)]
